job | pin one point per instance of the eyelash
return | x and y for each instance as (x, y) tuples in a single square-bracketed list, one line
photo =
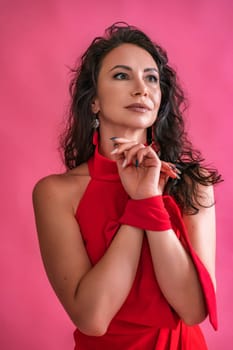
[(155, 79), (151, 78), (117, 76)]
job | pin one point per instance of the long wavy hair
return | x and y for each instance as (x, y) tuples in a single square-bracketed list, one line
[(168, 129)]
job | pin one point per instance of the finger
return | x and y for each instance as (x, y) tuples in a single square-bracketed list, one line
[(170, 169), (146, 155), (120, 140), (166, 169), (173, 167), (120, 149), (132, 155)]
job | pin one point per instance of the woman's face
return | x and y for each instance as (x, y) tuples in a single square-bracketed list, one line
[(128, 88)]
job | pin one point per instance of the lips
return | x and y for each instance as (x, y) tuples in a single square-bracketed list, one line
[(138, 107)]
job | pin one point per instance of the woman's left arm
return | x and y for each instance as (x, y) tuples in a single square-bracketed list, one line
[(143, 176), (173, 266)]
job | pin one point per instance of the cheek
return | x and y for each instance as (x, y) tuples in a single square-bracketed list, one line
[(110, 96), (159, 99), (106, 104), (104, 101)]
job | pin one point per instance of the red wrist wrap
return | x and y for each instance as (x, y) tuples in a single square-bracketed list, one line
[(147, 214)]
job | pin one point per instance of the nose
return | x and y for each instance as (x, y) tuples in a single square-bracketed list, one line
[(139, 88)]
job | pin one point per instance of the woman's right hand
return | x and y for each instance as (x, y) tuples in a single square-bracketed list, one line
[(142, 173)]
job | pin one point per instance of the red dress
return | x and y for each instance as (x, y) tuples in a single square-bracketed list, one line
[(145, 321)]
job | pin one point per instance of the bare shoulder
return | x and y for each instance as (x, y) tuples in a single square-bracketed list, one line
[(66, 188)]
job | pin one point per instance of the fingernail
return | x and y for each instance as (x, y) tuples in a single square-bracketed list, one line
[(178, 177), (113, 138), (124, 163), (172, 166)]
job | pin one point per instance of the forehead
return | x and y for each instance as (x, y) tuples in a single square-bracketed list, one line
[(130, 55)]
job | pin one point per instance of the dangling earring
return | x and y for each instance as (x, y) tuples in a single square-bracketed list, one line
[(95, 125)]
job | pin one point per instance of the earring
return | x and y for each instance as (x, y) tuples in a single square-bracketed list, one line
[(96, 123)]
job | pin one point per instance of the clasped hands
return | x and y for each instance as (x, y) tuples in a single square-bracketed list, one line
[(142, 173)]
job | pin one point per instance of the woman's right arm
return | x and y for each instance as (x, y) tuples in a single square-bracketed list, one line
[(91, 295)]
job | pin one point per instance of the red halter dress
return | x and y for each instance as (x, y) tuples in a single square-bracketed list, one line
[(145, 321)]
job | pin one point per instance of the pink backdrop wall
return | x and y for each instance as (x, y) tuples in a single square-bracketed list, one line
[(38, 39)]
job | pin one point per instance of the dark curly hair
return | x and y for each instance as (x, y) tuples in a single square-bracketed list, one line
[(168, 129)]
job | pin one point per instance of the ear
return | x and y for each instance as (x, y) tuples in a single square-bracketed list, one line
[(95, 106)]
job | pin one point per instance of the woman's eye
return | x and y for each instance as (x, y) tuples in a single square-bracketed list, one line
[(152, 78), (120, 76)]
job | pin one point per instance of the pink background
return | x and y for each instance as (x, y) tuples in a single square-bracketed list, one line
[(39, 39)]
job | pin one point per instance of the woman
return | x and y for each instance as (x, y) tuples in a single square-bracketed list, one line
[(127, 234)]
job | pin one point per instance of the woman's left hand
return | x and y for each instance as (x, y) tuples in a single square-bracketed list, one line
[(142, 173)]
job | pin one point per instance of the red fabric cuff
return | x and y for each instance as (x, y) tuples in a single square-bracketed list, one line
[(147, 214)]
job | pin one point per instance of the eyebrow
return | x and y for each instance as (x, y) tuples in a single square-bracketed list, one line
[(130, 69)]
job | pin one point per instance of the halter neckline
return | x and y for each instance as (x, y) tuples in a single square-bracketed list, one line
[(102, 168)]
